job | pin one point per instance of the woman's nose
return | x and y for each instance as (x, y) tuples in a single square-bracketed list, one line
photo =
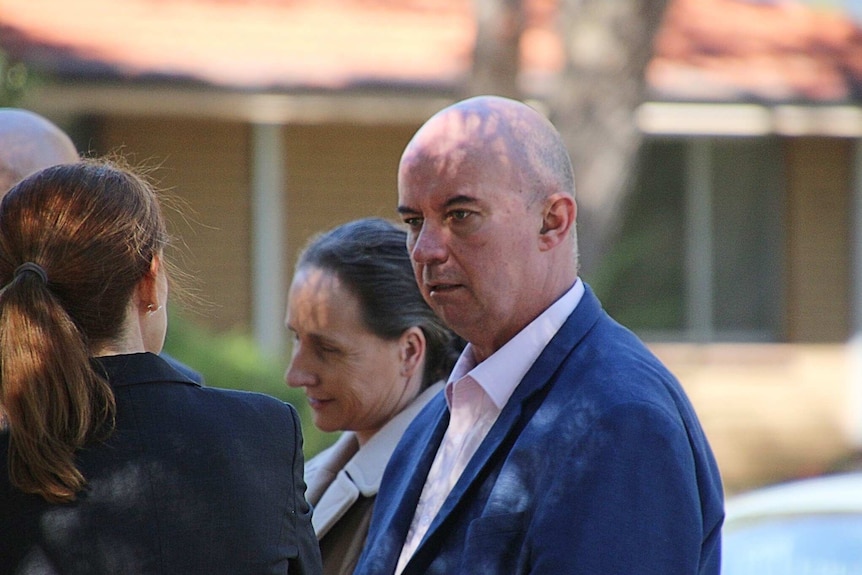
[(297, 374)]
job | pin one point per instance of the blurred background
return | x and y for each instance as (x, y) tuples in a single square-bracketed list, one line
[(716, 145)]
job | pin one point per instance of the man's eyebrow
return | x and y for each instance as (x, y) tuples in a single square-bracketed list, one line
[(454, 200), (459, 199)]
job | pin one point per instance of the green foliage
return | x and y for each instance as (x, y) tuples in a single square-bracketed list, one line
[(14, 80), (233, 361), (640, 281)]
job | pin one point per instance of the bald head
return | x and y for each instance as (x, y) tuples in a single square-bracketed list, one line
[(28, 143), (509, 134), (486, 190)]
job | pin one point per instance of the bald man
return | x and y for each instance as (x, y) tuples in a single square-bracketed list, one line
[(561, 445), (28, 143)]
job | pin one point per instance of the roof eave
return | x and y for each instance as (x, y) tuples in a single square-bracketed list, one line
[(412, 104), (361, 105)]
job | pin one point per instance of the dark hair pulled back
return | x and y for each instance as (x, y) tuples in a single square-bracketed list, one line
[(370, 258)]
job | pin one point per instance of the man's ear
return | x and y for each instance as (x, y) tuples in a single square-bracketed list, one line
[(411, 350), (147, 291), (558, 220)]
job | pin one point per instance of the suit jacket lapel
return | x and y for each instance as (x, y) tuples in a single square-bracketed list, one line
[(403, 491), (510, 420)]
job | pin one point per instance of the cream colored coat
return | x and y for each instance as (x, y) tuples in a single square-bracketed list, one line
[(339, 475)]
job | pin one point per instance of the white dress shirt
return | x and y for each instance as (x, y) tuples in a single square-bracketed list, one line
[(476, 394)]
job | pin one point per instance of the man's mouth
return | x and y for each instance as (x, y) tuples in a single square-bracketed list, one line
[(441, 288)]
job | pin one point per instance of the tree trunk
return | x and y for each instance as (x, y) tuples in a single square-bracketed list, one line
[(496, 55), (608, 44)]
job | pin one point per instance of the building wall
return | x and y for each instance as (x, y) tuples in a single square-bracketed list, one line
[(819, 200), (336, 173), (204, 164), (772, 412)]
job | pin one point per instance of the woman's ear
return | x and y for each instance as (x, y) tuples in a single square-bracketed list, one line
[(411, 350), (558, 219), (147, 290)]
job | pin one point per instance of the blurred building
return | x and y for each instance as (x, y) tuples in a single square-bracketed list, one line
[(275, 119)]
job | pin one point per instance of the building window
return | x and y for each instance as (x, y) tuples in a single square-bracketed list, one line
[(700, 254)]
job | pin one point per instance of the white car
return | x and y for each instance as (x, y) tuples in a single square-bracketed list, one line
[(805, 527)]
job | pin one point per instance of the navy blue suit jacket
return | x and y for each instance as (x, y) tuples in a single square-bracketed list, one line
[(597, 465), (193, 480)]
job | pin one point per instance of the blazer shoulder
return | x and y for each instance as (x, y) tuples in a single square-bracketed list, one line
[(251, 399)]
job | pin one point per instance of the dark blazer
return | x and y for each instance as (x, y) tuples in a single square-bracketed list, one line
[(596, 465), (193, 480)]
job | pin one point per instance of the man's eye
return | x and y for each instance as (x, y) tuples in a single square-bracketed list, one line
[(459, 215), (413, 222)]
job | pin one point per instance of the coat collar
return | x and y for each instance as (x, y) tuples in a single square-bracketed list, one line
[(333, 485), (137, 368), (585, 315)]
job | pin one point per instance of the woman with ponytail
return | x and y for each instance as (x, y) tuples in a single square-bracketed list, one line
[(111, 460)]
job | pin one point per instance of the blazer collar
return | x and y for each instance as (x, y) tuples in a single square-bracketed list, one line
[(576, 326), (137, 368)]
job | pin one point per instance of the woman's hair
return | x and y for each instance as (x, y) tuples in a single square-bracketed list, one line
[(369, 256), (93, 228)]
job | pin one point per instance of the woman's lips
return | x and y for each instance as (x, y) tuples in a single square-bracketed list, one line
[(316, 403)]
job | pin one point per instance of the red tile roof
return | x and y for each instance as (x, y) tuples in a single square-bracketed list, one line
[(707, 49), (322, 43), (766, 50)]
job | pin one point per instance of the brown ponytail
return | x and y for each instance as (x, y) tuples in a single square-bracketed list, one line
[(93, 228)]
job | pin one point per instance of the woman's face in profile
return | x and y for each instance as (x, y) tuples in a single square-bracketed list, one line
[(352, 378)]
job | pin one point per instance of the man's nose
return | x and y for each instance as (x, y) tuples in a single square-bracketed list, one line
[(430, 246)]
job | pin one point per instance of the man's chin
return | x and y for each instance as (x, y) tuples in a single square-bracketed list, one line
[(456, 318)]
